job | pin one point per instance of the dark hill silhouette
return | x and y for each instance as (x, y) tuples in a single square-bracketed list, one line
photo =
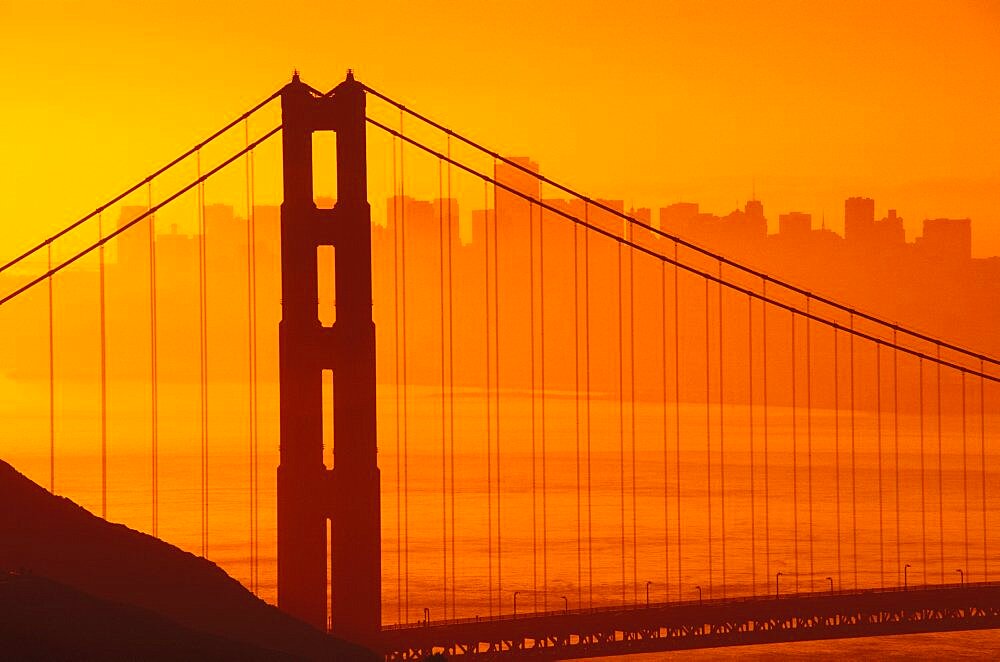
[(43, 620), (52, 537)]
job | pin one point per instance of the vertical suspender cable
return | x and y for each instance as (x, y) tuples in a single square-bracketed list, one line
[(586, 317), (451, 375), (541, 333), (252, 367), (878, 448), (398, 336), (152, 353), (621, 415), (708, 441), (253, 358), (895, 419), (722, 440), (795, 463), (809, 445), (836, 447), (982, 458), (750, 431), (444, 393), (940, 469), (406, 400), (203, 351), (767, 499), (496, 343), (52, 381), (677, 415), (923, 481), (965, 478), (666, 493), (631, 351), (576, 420), (489, 424), (104, 375), (854, 474), (534, 422)]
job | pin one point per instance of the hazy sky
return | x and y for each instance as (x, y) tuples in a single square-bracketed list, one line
[(653, 102)]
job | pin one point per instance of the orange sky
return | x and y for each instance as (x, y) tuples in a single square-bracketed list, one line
[(651, 102)]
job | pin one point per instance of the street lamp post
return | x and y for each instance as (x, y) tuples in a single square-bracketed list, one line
[(905, 568), (830, 579), (647, 593), (961, 576), (515, 603), (776, 583), (565, 602), (699, 594)]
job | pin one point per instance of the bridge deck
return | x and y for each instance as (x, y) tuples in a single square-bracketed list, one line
[(697, 624)]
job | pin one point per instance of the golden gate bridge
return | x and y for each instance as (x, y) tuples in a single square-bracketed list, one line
[(588, 390)]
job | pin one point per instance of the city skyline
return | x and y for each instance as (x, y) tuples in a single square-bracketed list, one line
[(891, 101)]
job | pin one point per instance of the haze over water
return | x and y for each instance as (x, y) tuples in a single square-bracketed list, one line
[(78, 477)]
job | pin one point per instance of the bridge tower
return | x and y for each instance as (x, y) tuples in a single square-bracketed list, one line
[(310, 494)]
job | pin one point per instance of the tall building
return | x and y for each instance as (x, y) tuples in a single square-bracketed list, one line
[(794, 224), (859, 220), (678, 217), (754, 224), (890, 229), (947, 239)]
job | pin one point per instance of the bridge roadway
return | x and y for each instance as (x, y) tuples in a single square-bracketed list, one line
[(568, 634)]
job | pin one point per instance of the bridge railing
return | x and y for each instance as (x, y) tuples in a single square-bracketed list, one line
[(681, 604)]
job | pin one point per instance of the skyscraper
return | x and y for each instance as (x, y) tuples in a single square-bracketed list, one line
[(859, 220)]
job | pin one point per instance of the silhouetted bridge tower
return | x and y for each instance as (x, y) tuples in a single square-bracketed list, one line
[(309, 495)]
